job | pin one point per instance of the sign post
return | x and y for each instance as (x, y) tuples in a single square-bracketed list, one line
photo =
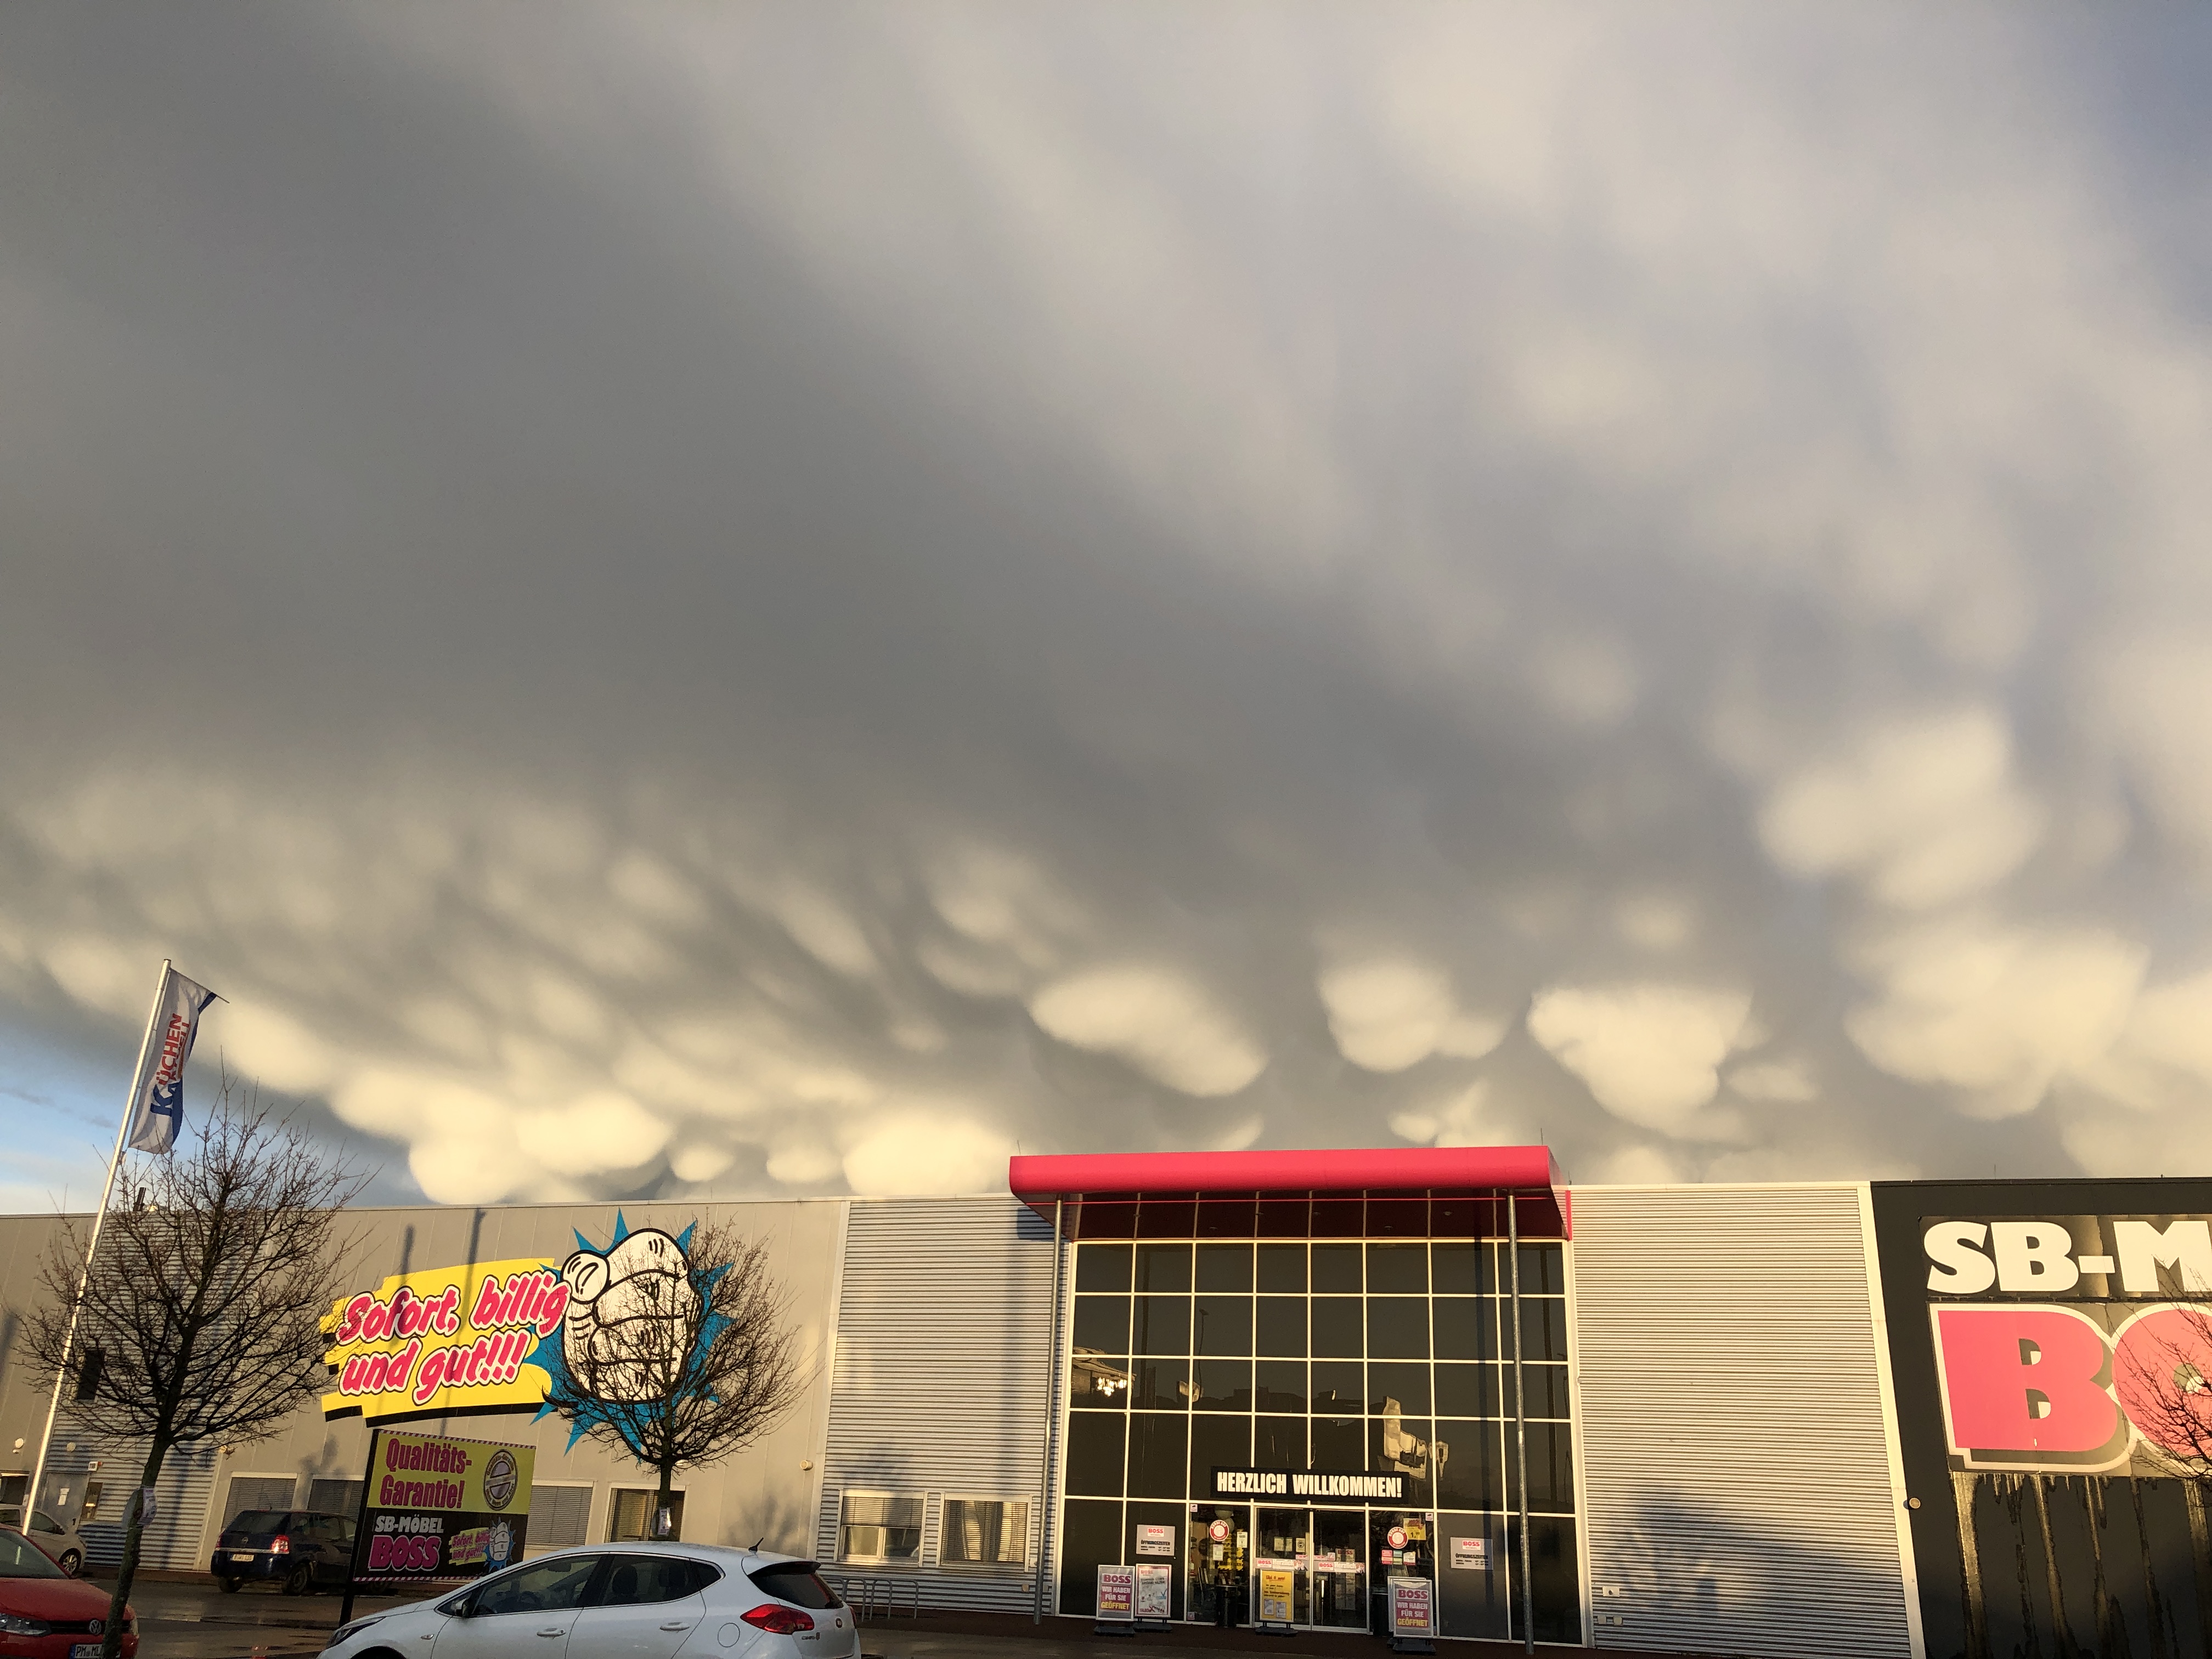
[(1278, 1589), (360, 1528)]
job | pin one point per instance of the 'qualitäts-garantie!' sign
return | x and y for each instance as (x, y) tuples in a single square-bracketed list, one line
[(441, 1509)]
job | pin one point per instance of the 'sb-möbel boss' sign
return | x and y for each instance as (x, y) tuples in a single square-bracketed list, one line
[(441, 1509), (444, 1340)]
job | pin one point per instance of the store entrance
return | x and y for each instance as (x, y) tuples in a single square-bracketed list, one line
[(1326, 1556), (1340, 1569), (1338, 1563), (1402, 1543), (1216, 1564), (1282, 1542)]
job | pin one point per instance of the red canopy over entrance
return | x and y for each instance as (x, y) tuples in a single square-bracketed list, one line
[(1355, 1192)]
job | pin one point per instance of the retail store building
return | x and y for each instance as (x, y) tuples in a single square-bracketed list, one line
[(1904, 1419)]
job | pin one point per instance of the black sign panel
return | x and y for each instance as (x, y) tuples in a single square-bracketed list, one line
[(1310, 1486), (2040, 1335)]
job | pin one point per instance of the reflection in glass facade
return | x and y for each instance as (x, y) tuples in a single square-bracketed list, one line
[(1378, 1354)]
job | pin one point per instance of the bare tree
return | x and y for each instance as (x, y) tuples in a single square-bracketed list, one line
[(2163, 1375), (675, 1349), (201, 1314)]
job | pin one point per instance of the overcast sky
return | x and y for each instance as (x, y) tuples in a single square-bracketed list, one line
[(742, 599)]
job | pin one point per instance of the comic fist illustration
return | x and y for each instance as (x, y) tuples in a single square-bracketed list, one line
[(631, 1313)]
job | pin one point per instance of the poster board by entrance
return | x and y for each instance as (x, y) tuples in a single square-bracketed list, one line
[(1154, 1595), (1278, 1589), (1413, 1615), (1117, 1599)]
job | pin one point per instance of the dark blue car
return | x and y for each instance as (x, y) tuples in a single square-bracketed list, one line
[(299, 1549)]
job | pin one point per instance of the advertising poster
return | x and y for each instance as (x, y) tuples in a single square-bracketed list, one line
[(1471, 1554), (444, 1340), (1117, 1594), (442, 1509), (1156, 1540), (1413, 1607), (1276, 1589), (2048, 1343), (492, 1336), (1155, 1592)]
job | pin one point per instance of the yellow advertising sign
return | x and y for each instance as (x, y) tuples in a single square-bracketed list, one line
[(1276, 1590), (437, 1472), (440, 1508), (445, 1339)]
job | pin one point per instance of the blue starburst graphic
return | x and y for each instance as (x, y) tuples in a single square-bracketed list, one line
[(630, 1417)]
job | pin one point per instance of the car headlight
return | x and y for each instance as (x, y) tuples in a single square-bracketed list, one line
[(347, 1632), (12, 1625)]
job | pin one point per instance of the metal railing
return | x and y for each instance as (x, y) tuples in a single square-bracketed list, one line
[(878, 1598)]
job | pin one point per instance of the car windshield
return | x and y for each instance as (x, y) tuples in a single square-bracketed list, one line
[(261, 1521), (797, 1582), (19, 1558)]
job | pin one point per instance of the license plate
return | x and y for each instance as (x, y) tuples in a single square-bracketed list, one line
[(247, 1556), (84, 1650)]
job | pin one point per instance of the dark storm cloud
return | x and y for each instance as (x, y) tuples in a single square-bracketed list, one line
[(799, 596)]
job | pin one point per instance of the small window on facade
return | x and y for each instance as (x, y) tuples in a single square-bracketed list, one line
[(559, 1518), (985, 1529), (633, 1513), (880, 1526), (88, 1373), (90, 1512), (339, 1498)]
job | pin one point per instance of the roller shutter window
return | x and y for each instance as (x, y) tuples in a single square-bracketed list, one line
[(334, 1497), (257, 1492), (560, 1517)]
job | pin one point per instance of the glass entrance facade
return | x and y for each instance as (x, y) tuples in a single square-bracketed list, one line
[(1340, 1355)]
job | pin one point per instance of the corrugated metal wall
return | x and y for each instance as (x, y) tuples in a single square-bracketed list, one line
[(944, 1333), (1737, 1467), (180, 1514)]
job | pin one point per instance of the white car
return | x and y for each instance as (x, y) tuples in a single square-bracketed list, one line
[(620, 1601)]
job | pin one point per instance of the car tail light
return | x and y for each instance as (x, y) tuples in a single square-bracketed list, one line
[(280, 1544), (779, 1620)]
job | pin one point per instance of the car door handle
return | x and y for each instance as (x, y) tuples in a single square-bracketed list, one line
[(678, 1624), (557, 1630)]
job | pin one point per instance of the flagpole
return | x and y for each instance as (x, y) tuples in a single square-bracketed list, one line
[(114, 1160)]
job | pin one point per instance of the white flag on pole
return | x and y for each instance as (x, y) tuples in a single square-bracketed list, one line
[(157, 1107)]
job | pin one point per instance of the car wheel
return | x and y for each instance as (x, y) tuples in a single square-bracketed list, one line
[(71, 1562), (299, 1580), (229, 1586)]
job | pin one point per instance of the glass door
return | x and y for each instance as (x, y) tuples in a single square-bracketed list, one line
[(1402, 1545), (1282, 1543), (1340, 1569), (1214, 1564)]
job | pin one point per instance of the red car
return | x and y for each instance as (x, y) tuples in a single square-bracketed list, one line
[(47, 1614)]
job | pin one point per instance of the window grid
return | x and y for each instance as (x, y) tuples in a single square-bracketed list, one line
[(1420, 1323)]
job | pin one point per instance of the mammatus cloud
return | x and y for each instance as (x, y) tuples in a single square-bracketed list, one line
[(1649, 1053), (792, 600), (1387, 1015), (1923, 812), (1157, 1020)]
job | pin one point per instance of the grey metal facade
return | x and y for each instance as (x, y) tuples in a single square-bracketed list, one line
[(939, 1385), (1740, 1462)]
